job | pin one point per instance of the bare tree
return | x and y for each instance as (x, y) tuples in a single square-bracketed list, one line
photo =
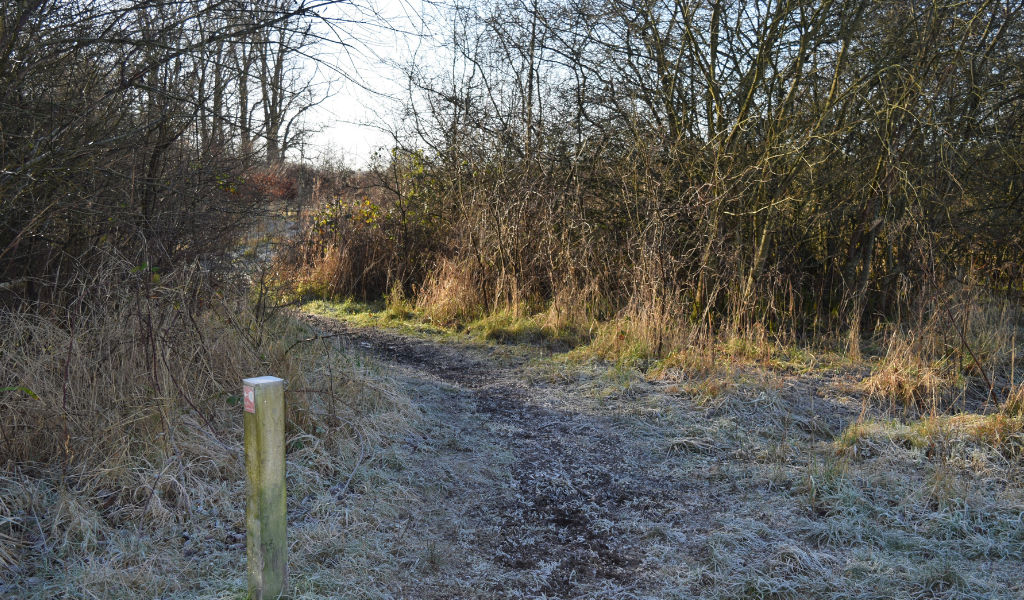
[(804, 164), (129, 123)]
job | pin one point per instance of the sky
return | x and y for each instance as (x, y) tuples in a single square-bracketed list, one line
[(359, 84), (345, 126)]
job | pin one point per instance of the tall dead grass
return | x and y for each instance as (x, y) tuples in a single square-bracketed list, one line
[(121, 430), (118, 362), (960, 349), (452, 293), (656, 291), (956, 352)]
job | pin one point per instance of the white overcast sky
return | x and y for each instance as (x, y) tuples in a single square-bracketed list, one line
[(353, 111)]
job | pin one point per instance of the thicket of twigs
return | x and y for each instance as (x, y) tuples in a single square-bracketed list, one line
[(137, 127), (693, 170)]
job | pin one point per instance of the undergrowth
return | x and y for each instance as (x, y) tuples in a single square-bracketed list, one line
[(122, 472), (915, 368)]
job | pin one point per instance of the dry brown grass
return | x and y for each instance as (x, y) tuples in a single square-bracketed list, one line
[(111, 368), (451, 293), (961, 351), (1015, 401), (906, 377), (122, 472)]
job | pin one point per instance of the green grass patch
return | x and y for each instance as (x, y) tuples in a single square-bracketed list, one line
[(508, 328), (371, 314), (497, 328)]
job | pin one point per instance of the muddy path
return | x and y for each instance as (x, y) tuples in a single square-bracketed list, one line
[(529, 491)]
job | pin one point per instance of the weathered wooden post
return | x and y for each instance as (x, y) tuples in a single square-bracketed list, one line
[(266, 515)]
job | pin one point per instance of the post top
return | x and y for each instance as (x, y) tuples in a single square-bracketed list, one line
[(265, 380)]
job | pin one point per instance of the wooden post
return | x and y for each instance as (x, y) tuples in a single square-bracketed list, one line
[(266, 515)]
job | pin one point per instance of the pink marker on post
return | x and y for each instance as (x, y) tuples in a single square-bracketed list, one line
[(250, 399)]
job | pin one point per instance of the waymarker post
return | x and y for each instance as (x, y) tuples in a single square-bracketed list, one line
[(266, 514)]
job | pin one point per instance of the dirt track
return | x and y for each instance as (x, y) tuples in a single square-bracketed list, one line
[(547, 524), (535, 479), (571, 503)]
